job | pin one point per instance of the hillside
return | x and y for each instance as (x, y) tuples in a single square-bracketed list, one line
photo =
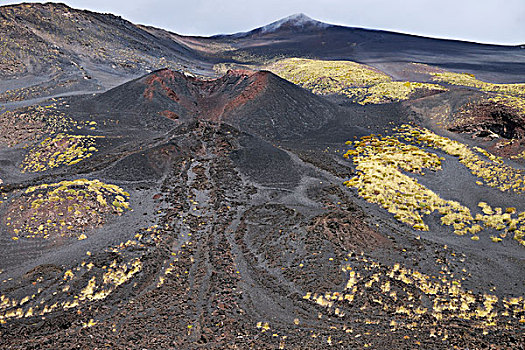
[(268, 189), (49, 49)]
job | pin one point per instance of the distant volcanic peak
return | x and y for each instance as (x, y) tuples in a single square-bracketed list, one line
[(298, 20)]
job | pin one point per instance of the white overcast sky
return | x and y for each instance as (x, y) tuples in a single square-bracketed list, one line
[(487, 21)]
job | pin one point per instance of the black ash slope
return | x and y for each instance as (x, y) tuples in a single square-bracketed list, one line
[(300, 36), (252, 215)]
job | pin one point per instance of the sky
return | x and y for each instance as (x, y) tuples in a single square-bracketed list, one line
[(485, 21)]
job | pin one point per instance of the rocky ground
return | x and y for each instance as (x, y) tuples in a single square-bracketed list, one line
[(237, 235), (244, 211)]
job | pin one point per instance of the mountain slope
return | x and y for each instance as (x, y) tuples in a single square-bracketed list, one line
[(220, 204), (188, 209), (82, 50), (51, 49), (301, 36), (256, 102)]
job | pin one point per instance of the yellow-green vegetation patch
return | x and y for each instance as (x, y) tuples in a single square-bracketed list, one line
[(469, 80), (98, 287), (361, 83), (81, 284), (64, 209), (327, 77), (29, 124), (495, 173), (519, 156), (380, 162), (409, 297), (62, 149), (379, 179), (513, 102), (392, 91)]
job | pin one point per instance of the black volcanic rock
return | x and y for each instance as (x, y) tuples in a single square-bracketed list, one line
[(82, 49), (185, 210), (300, 36), (52, 49), (256, 102)]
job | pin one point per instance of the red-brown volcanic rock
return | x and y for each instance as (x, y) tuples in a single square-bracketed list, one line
[(208, 99)]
